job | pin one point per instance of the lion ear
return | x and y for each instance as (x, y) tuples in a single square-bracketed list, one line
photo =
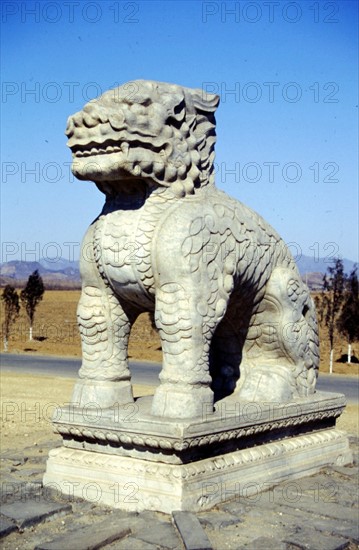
[(204, 101), (175, 105), (178, 111)]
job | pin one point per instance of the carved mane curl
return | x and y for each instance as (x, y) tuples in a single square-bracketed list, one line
[(152, 130)]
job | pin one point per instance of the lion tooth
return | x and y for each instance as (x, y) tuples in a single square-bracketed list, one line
[(125, 148), (109, 149), (94, 151), (86, 153), (171, 173), (159, 169)]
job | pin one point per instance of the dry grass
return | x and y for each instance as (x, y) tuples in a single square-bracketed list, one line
[(55, 332)]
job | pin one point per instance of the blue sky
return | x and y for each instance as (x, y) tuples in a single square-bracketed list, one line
[(287, 125)]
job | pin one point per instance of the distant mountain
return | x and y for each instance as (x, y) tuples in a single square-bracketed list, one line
[(17, 273), (58, 264), (63, 273), (313, 269), (310, 264)]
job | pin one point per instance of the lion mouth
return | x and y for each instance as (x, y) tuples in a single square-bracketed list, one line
[(106, 148), (114, 146)]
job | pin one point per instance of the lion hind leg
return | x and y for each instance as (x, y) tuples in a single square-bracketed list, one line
[(281, 357)]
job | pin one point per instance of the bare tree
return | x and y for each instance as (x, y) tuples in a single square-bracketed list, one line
[(12, 308), (348, 321), (331, 301), (31, 296)]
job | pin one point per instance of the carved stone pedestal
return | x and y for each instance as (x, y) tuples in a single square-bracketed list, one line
[(126, 458)]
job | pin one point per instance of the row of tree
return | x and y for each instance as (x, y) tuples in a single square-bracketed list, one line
[(338, 306), (30, 296)]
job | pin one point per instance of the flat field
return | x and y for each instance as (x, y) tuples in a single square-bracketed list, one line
[(55, 333), (55, 330)]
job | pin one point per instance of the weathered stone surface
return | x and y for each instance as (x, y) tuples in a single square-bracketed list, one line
[(15, 458), (31, 472), (324, 489), (163, 535), (16, 488), (216, 274), (262, 518), (191, 532), (349, 530), (88, 538), (220, 519), (30, 512), (266, 543), (310, 538), (134, 484), (348, 471), (330, 509), (6, 526), (233, 425), (135, 544), (236, 410), (293, 516)]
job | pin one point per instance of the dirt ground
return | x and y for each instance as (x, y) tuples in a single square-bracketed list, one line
[(55, 333), (27, 406)]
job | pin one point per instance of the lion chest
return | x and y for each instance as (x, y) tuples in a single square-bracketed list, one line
[(125, 256)]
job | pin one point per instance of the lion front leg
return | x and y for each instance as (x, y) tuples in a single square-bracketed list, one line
[(186, 331), (104, 324)]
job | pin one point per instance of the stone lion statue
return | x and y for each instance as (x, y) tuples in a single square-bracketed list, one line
[(234, 317)]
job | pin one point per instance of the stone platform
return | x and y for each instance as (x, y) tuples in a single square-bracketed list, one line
[(127, 458)]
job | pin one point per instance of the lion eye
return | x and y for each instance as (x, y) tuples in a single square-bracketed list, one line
[(138, 109)]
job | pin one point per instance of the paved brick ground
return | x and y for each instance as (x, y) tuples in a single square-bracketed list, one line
[(317, 512)]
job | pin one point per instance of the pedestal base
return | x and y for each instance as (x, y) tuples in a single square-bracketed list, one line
[(137, 461), (135, 484)]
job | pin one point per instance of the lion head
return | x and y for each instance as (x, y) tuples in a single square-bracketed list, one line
[(161, 133)]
